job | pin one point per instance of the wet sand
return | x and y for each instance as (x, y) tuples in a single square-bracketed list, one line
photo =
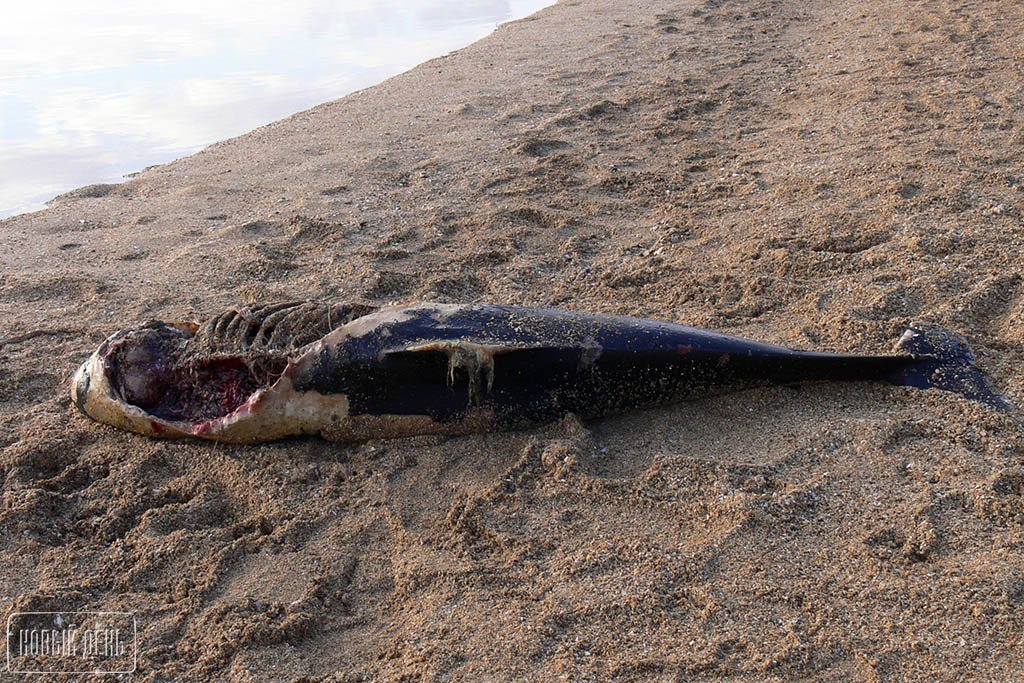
[(802, 173)]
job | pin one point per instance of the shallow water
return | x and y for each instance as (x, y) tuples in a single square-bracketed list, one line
[(92, 91)]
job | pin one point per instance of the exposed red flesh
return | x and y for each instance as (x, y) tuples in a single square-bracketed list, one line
[(149, 373), (198, 392)]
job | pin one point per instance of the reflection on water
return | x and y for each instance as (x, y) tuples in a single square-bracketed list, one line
[(91, 91)]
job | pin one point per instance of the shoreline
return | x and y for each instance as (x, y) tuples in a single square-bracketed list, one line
[(266, 66), (802, 174)]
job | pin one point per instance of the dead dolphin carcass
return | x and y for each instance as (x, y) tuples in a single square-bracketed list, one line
[(352, 372)]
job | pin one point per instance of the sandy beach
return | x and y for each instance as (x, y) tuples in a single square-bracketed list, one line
[(811, 174)]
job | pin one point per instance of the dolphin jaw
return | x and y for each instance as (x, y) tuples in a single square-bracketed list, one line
[(273, 411)]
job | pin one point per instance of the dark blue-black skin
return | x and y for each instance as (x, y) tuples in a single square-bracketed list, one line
[(561, 362)]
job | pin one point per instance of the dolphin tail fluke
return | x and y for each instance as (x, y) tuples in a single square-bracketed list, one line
[(943, 360)]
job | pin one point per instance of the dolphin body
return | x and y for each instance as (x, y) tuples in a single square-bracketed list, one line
[(350, 372)]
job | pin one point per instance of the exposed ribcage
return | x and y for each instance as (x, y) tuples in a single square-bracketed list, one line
[(280, 327)]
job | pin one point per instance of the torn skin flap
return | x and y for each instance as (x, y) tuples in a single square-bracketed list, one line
[(476, 359)]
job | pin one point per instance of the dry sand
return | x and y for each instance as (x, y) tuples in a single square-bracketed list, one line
[(815, 174)]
